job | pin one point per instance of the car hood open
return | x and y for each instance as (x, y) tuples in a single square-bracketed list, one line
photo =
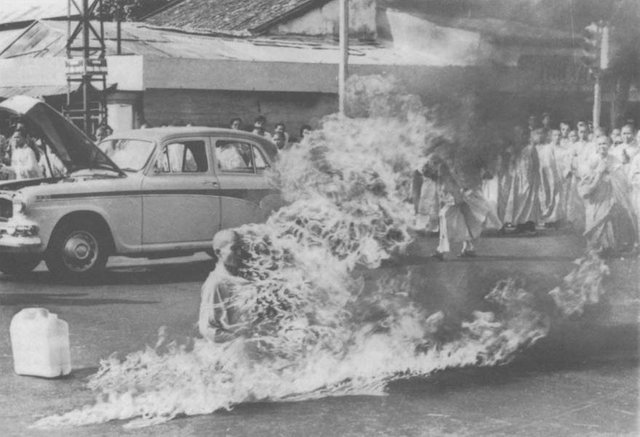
[(72, 146)]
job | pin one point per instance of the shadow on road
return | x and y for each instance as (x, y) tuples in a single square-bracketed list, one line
[(78, 299), (161, 273), (575, 348)]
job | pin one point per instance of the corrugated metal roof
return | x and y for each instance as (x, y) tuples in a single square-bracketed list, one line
[(233, 17), (7, 36), (47, 38), (17, 11), (33, 91)]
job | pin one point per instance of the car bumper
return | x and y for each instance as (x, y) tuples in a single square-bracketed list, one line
[(19, 238)]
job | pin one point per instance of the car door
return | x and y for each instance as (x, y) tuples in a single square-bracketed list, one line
[(244, 189), (180, 196)]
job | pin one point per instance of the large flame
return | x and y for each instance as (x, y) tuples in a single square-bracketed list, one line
[(315, 328)]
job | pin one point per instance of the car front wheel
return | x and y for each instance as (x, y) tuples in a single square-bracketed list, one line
[(78, 251), (18, 264)]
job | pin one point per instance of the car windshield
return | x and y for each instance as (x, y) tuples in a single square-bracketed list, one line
[(129, 155)]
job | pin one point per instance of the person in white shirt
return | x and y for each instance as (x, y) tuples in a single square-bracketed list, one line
[(23, 159), (259, 127)]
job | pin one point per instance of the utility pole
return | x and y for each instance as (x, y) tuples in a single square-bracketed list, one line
[(86, 65), (344, 56)]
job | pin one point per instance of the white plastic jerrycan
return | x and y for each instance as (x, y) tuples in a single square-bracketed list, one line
[(40, 344)]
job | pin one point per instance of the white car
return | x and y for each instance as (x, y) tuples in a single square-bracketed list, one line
[(142, 193)]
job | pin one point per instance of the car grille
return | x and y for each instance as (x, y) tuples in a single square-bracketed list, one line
[(6, 209)]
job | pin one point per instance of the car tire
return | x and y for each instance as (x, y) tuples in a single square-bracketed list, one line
[(18, 264), (78, 251)]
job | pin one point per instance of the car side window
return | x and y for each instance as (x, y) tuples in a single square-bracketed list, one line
[(261, 163), (234, 156), (183, 157)]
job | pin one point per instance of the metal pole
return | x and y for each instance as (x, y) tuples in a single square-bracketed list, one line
[(344, 55), (597, 102), (118, 34), (86, 54)]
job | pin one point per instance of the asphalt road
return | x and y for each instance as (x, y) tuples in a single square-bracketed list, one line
[(581, 380)]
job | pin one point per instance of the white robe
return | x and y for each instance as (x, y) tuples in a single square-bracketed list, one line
[(523, 205), (24, 163), (634, 178)]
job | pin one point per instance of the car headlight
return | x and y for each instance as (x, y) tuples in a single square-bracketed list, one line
[(19, 206)]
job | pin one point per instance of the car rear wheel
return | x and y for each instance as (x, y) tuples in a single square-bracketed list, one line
[(18, 264), (78, 251)]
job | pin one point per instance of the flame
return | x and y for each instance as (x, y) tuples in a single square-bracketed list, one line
[(314, 329)]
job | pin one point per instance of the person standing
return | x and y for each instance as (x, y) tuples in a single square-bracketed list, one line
[(23, 159), (581, 151), (280, 136), (490, 174), (425, 203), (617, 151), (565, 129), (463, 212), (553, 159), (259, 127), (634, 177), (523, 206), (305, 130), (610, 225), (235, 123), (103, 131), (5, 151), (546, 127)]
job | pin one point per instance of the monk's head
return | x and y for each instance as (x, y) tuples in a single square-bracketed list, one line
[(223, 247)]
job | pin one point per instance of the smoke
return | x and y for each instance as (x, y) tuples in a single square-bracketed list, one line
[(312, 326)]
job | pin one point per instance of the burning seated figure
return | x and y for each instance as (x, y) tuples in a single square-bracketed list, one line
[(220, 320)]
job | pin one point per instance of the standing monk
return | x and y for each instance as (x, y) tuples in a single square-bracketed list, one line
[(634, 176), (463, 212), (523, 205), (610, 227)]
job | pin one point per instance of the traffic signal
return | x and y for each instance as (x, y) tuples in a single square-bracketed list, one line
[(596, 47), (590, 55)]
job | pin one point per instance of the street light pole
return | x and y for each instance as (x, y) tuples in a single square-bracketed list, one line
[(344, 55)]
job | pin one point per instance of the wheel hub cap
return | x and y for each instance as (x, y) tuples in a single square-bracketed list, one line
[(80, 251)]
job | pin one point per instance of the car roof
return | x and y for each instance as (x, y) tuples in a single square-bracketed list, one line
[(160, 134)]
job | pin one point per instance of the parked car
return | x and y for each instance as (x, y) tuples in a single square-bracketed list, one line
[(141, 193)]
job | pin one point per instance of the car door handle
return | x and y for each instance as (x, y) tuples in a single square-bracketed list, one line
[(210, 183)]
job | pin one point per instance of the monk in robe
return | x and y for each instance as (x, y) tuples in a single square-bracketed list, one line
[(490, 173), (634, 177), (548, 179), (523, 206), (220, 319), (561, 158), (581, 151), (463, 212), (425, 203), (610, 225)]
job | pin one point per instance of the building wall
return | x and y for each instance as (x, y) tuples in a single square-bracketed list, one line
[(217, 108), (325, 21)]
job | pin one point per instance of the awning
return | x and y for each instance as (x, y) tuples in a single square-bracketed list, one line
[(33, 91)]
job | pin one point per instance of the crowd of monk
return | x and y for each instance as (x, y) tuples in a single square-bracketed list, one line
[(583, 179)]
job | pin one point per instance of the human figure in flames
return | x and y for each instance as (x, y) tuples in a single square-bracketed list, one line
[(463, 211)]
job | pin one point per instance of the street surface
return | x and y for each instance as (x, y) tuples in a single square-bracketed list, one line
[(580, 380)]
